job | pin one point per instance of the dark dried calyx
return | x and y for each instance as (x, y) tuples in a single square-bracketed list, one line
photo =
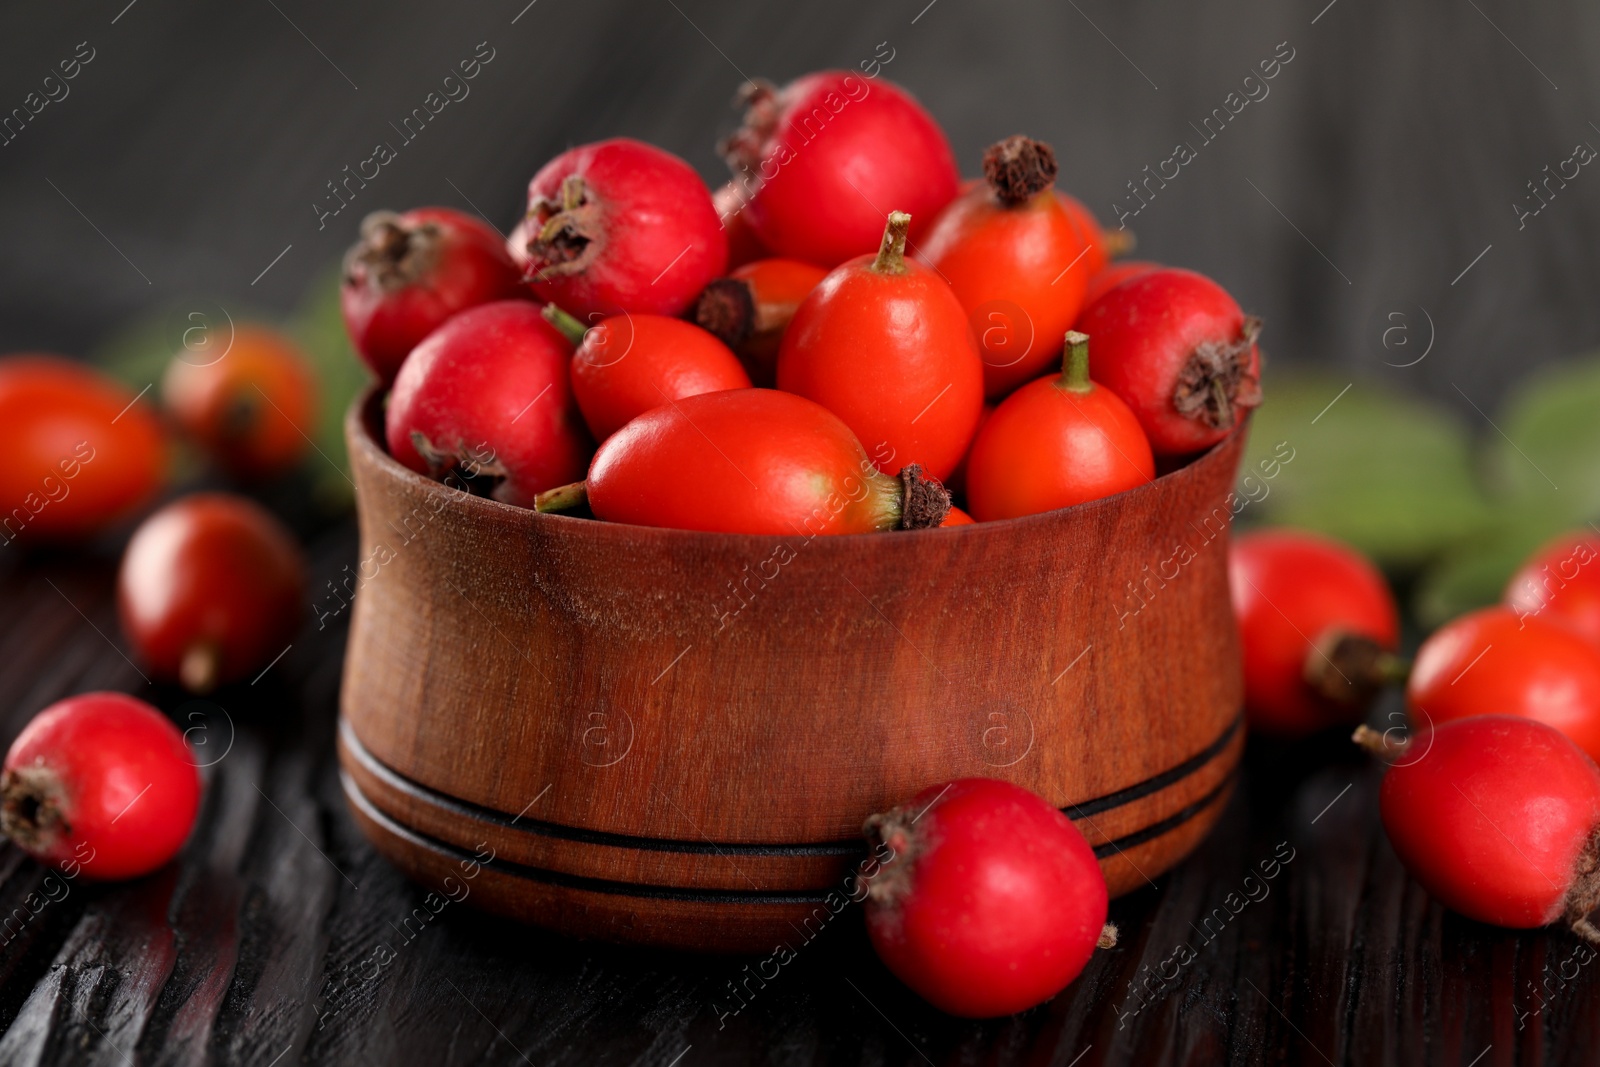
[(744, 147), (924, 502), (30, 807), (1216, 383), (1019, 167), (726, 309), (564, 240), (391, 255)]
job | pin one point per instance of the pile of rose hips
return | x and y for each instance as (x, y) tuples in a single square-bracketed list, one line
[(832, 343), (1493, 800)]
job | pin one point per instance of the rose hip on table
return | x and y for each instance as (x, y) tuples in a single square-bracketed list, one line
[(84, 452), (1056, 442), (1497, 818), (992, 901), (749, 461), (627, 364), (1492, 662), (251, 407), (826, 155), (883, 343), (1561, 582), (489, 393), (619, 226), (409, 273), (211, 589), (101, 783), (1175, 346), (752, 307), (1318, 629), (1016, 260)]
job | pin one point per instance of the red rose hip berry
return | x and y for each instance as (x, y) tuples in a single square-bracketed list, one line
[(828, 154), (99, 782), (627, 364), (1056, 442), (752, 307), (488, 393), (1015, 258), (618, 226), (992, 902), (1495, 816), (1318, 628), (1175, 346), (884, 344), (1561, 582), (1490, 662), (749, 461), (211, 590), (410, 272)]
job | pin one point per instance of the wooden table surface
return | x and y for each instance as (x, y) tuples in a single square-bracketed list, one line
[(1292, 936)]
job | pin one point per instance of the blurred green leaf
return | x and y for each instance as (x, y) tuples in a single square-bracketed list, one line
[(318, 325), (1547, 457), (1474, 574), (1389, 474)]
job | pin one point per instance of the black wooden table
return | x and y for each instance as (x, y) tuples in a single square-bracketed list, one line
[(1292, 936)]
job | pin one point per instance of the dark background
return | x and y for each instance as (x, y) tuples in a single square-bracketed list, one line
[(187, 157), (1395, 142)]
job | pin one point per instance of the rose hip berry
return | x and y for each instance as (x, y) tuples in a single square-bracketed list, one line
[(82, 451), (1056, 442), (884, 344), (488, 394), (1103, 246), (1561, 582), (408, 273), (818, 154), (993, 901), (1014, 257), (1113, 275), (99, 782), (619, 226), (1175, 346), (1490, 662), (749, 461), (1496, 817), (251, 408), (752, 307), (1318, 628), (210, 590), (628, 364)]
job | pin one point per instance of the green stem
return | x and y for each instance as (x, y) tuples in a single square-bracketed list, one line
[(892, 252), (562, 498), (569, 325), (1075, 368)]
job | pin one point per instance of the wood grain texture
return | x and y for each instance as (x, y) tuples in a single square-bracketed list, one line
[(673, 738)]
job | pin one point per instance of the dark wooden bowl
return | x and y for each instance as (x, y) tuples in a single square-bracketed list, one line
[(672, 738)]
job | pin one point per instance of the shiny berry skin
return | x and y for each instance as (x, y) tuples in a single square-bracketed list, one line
[(1495, 816), (101, 783), (1175, 346), (488, 393), (1561, 583), (618, 226), (627, 364), (992, 902), (884, 344), (251, 408), (752, 461), (1056, 442), (409, 273), (752, 307), (212, 587), (743, 244), (831, 152), (1113, 275), (1315, 620), (1015, 259), (1102, 245), (1490, 662)]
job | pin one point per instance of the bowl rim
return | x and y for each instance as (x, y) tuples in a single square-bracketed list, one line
[(363, 429)]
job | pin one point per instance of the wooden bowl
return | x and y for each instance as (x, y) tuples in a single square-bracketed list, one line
[(672, 738)]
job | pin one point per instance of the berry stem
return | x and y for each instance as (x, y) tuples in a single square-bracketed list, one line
[(1108, 936), (1120, 243), (924, 502), (569, 325), (1376, 744), (892, 252), (562, 498), (199, 668), (1075, 368)]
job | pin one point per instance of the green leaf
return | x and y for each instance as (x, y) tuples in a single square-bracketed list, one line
[(1547, 456), (1389, 474)]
